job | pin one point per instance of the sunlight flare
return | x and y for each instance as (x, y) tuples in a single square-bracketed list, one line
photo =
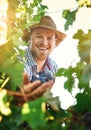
[(3, 21)]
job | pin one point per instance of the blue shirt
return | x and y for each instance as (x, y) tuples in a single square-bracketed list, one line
[(31, 67)]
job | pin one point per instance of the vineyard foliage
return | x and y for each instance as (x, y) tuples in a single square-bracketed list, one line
[(46, 112)]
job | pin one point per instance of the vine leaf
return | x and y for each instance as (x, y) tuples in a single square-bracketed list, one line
[(84, 45), (33, 114), (70, 17), (10, 64), (83, 102)]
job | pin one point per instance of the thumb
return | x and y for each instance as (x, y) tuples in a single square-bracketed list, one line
[(25, 78)]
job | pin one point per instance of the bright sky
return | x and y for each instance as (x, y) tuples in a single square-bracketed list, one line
[(55, 5), (66, 53), (3, 17)]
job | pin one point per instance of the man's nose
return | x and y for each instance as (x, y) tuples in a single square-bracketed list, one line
[(44, 41)]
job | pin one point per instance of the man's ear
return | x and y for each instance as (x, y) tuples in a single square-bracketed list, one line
[(29, 39)]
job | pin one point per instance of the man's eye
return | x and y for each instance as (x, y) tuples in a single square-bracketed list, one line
[(38, 36), (49, 38)]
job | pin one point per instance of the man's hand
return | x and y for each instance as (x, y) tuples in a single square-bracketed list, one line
[(30, 90), (35, 89)]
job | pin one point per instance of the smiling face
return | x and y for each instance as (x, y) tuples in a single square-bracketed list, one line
[(42, 42)]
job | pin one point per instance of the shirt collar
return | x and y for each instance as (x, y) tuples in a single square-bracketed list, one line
[(30, 60)]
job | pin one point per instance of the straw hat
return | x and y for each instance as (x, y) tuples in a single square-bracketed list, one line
[(46, 22)]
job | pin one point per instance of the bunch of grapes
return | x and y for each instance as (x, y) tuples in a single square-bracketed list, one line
[(43, 77)]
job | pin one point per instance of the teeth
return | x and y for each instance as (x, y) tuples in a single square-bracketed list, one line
[(43, 49)]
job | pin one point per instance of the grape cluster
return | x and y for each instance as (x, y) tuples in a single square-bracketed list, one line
[(43, 77), (87, 119)]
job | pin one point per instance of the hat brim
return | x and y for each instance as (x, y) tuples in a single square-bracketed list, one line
[(60, 36)]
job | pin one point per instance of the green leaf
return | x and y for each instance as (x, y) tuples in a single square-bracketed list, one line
[(65, 72), (70, 78), (69, 84), (15, 71), (33, 114), (87, 73), (6, 51), (52, 125), (61, 72), (13, 121), (84, 3), (84, 45), (83, 102), (69, 16), (10, 64)]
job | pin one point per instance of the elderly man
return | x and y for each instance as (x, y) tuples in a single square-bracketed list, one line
[(42, 38)]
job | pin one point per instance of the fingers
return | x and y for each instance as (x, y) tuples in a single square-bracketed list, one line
[(39, 91), (31, 86), (36, 88), (25, 78)]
